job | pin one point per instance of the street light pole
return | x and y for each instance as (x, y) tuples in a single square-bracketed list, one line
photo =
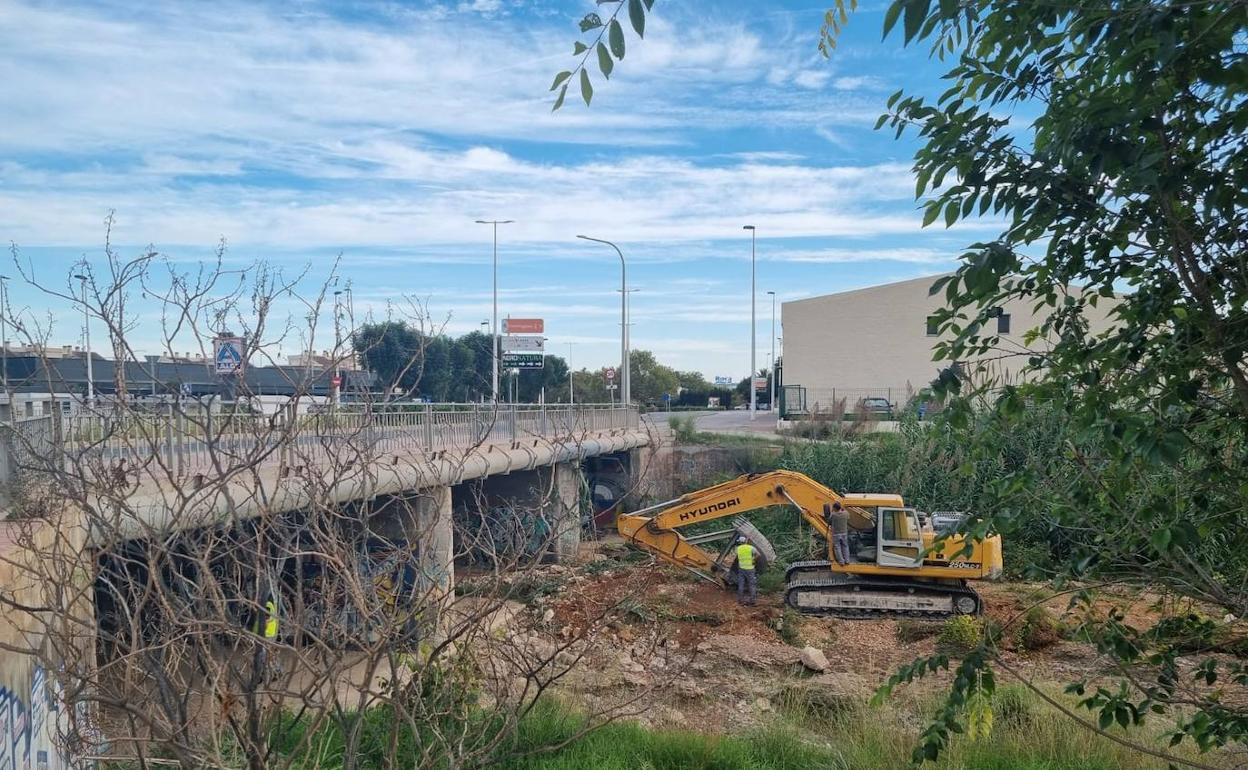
[(86, 339), (753, 327), (4, 332), (571, 384), (625, 378), (337, 388), (494, 341), (772, 403)]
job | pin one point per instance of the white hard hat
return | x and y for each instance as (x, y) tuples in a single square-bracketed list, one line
[(740, 538)]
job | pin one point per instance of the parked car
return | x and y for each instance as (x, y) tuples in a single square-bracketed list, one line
[(879, 408)]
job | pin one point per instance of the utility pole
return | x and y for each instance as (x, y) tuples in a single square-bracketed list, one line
[(772, 403), (625, 378), (571, 385), (336, 383), (494, 342), (4, 335), (86, 339), (753, 327)]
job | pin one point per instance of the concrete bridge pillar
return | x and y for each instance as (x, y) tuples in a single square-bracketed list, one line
[(566, 510)]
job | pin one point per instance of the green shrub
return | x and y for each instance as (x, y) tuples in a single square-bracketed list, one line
[(787, 626), (814, 705), (1040, 629), (1013, 706), (961, 633), (915, 630), (684, 429)]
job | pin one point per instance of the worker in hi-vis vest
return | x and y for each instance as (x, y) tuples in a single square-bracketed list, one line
[(266, 625), (747, 578), (269, 620)]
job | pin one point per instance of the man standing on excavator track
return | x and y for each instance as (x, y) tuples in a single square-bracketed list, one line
[(838, 524), (746, 576)]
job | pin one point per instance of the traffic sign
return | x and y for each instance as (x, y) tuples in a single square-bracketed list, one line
[(227, 355), (530, 344), (523, 360), (760, 383), (523, 326), (335, 381), (609, 372)]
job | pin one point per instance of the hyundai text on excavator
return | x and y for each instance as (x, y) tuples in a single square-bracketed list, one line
[(901, 565)]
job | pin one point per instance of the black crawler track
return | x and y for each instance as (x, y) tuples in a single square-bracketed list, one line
[(809, 578)]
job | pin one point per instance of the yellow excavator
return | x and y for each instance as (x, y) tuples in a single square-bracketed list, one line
[(901, 566)]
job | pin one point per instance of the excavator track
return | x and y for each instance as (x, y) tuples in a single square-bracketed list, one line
[(856, 597)]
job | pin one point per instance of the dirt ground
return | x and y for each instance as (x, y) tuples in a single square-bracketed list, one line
[(689, 654)]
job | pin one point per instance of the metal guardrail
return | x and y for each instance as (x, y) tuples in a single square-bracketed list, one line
[(184, 441)]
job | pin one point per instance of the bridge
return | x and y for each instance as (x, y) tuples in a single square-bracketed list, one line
[(142, 471)]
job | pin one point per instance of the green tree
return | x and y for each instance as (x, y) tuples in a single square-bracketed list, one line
[(650, 379)]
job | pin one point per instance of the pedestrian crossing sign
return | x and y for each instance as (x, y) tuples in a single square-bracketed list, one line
[(227, 355)]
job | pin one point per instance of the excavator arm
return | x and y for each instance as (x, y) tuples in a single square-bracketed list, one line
[(656, 529)]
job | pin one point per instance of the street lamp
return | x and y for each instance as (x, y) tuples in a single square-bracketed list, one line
[(494, 341), (772, 404), (86, 339), (625, 379), (753, 326), (336, 383), (4, 333)]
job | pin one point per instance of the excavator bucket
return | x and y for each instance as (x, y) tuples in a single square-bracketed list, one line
[(745, 529)]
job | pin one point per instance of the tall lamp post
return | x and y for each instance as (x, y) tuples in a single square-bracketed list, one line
[(753, 327), (772, 403), (494, 342), (4, 333), (571, 385), (625, 379), (86, 339)]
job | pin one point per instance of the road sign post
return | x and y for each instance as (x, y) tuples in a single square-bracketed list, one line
[(229, 362)]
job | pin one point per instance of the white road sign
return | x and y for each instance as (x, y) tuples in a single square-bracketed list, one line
[(227, 355), (533, 344)]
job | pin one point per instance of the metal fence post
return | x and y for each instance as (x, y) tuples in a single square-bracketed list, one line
[(541, 422), (514, 433), (429, 427), (169, 455)]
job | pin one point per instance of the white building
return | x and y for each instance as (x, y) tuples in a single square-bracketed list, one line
[(877, 343)]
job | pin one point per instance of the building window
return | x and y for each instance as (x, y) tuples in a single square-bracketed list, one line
[(933, 326), (1003, 323)]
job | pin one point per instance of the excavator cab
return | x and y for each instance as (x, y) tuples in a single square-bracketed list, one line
[(899, 538)]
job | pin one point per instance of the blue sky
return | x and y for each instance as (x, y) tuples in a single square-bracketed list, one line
[(380, 131)]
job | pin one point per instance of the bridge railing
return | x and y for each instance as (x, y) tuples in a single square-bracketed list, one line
[(183, 440)]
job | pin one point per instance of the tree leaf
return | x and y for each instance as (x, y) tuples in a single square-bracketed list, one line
[(649, 4), (579, 48), (916, 12), (891, 16), (559, 101), (562, 76), (591, 21), (587, 89), (604, 61), (615, 34), (637, 15)]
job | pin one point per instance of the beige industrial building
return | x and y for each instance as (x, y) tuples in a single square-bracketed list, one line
[(877, 343)]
